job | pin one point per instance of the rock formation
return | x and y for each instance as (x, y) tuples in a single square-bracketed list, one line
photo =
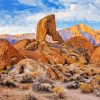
[(81, 45), (8, 54), (54, 55), (36, 55), (47, 26), (95, 58), (22, 43)]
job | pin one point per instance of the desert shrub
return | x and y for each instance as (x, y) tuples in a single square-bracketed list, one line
[(73, 85), (59, 91), (35, 86), (46, 87), (25, 87), (26, 79), (9, 82), (3, 71), (30, 97), (44, 79), (96, 92), (86, 87)]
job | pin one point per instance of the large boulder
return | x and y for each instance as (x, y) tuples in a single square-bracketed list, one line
[(74, 58), (81, 45), (36, 55), (53, 54), (32, 46), (38, 70), (95, 58), (47, 26), (29, 67), (8, 54), (22, 43)]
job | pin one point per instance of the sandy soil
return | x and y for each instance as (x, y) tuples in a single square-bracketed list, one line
[(24, 94)]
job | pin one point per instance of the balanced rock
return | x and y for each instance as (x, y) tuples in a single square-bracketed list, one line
[(47, 26), (8, 54)]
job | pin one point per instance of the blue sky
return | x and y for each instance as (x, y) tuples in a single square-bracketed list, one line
[(21, 16)]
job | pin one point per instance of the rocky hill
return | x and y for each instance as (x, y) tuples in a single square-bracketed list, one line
[(81, 30)]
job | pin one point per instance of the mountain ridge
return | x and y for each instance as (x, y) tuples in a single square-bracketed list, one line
[(81, 30), (66, 33)]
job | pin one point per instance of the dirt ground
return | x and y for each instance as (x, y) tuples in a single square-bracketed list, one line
[(28, 94)]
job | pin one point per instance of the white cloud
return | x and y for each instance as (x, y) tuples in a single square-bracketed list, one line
[(25, 22), (31, 2), (16, 30)]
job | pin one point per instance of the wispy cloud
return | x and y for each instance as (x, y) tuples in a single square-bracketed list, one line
[(25, 20)]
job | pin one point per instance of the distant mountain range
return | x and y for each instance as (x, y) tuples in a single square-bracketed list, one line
[(15, 38), (81, 30), (77, 30)]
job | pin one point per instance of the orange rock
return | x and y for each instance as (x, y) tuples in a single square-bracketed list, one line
[(69, 59), (47, 26), (32, 46), (74, 58), (80, 45), (22, 43), (8, 54), (57, 37), (52, 73), (95, 58), (36, 55), (52, 54)]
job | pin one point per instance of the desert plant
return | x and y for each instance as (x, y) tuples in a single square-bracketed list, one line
[(59, 91), (24, 87), (26, 79), (46, 87), (9, 82), (35, 86), (44, 79), (31, 97), (96, 92), (86, 87)]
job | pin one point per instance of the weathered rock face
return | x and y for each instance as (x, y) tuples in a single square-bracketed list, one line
[(47, 25), (29, 67), (36, 70), (95, 58), (54, 55), (81, 45), (36, 55), (22, 43), (74, 58), (8, 54), (32, 46)]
